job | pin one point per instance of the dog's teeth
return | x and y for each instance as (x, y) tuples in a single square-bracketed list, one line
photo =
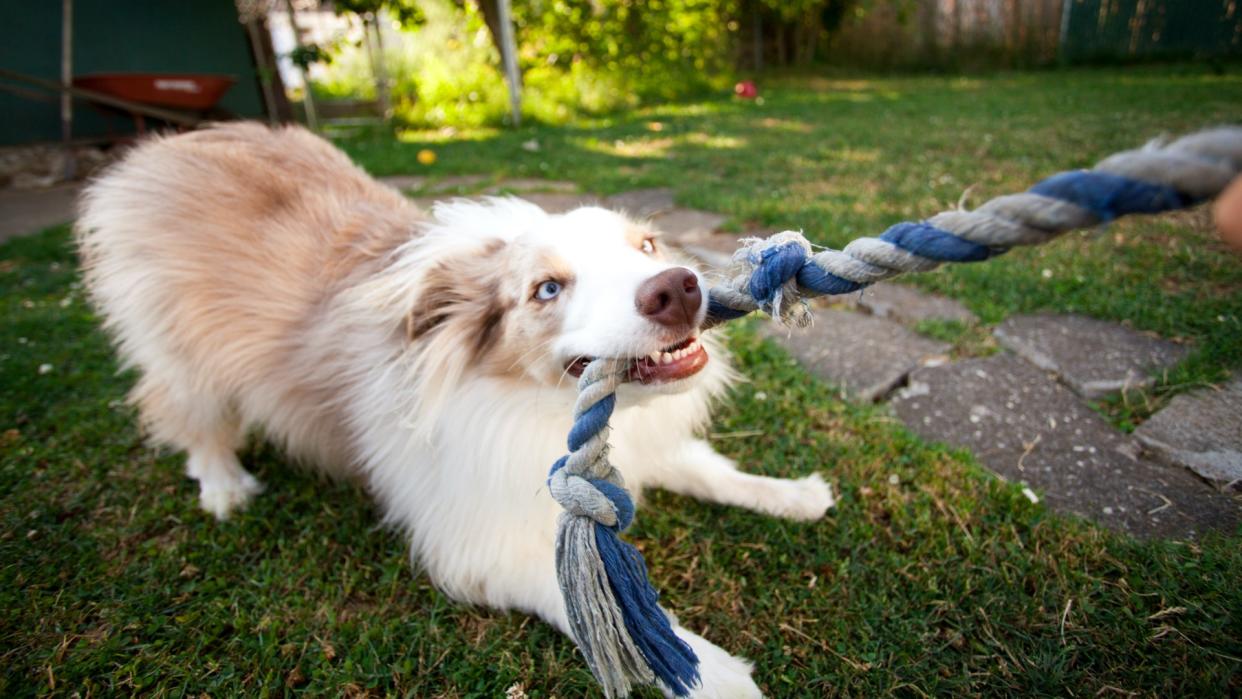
[(666, 358), (654, 357)]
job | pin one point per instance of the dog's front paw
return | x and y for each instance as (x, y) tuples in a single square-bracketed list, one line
[(809, 498), (227, 496)]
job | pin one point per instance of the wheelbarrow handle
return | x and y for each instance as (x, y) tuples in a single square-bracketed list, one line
[(101, 98)]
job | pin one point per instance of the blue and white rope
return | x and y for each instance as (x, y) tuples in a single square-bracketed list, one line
[(614, 613)]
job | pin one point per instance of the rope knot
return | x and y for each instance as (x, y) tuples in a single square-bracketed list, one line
[(603, 500), (771, 266)]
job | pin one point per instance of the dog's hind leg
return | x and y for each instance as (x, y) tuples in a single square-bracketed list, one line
[(224, 485), (695, 469), (210, 434)]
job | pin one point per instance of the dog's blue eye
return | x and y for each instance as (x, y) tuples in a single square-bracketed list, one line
[(548, 290)]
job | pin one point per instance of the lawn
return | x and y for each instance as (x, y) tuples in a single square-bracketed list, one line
[(930, 578)]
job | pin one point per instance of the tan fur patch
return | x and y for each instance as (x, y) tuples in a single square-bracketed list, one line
[(636, 233), (212, 252)]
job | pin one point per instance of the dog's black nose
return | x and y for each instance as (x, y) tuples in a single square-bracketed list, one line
[(670, 298)]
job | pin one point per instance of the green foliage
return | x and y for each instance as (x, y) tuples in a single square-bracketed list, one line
[(654, 50), (612, 56), (577, 57), (444, 73), (407, 12), (305, 55)]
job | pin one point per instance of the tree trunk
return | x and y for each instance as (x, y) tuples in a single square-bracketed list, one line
[(782, 58), (284, 110), (929, 43), (491, 17), (68, 166), (379, 63), (308, 100), (757, 36)]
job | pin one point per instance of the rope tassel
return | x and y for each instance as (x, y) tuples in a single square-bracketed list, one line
[(614, 613)]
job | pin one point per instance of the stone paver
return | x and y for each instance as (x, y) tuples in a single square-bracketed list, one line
[(456, 183), (687, 226), (864, 355), (559, 203), (1201, 431), (908, 304), (403, 182), (642, 203), (525, 184), (714, 250), (552, 202), (695, 232), (1025, 426), (1094, 357), (26, 211)]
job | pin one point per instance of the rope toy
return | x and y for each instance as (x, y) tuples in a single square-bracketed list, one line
[(625, 635)]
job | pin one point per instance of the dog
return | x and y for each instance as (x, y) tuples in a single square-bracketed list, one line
[(258, 280)]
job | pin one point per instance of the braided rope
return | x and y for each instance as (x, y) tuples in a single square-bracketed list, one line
[(773, 274), (614, 613)]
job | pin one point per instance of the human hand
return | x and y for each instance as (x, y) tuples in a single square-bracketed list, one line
[(1227, 211)]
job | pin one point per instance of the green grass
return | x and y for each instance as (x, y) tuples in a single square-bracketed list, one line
[(931, 577)]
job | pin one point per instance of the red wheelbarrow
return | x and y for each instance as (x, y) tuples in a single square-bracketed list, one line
[(195, 95), (183, 100)]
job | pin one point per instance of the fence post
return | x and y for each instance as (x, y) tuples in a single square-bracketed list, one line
[(68, 166), (1067, 8), (509, 49)]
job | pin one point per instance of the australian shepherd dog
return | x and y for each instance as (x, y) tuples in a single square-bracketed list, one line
[(259, 280)]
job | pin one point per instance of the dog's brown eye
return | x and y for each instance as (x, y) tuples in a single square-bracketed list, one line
[(648, 247)]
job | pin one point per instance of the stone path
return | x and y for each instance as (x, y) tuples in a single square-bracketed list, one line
[(831, 348), (1028, 428), (1201, 431), (26, 211), (1095, 357), (908, 305)]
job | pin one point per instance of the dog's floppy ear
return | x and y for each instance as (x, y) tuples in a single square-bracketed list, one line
[(459, 302)]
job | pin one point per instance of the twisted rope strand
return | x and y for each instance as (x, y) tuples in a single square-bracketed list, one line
[(1158, 177), (614, 613)]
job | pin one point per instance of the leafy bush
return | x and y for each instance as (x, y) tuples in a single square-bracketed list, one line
[(577, 58)]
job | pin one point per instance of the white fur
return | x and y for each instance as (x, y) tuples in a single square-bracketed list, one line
[(458, 462)]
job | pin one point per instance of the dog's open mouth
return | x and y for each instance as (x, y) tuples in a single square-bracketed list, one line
[(675, 362)]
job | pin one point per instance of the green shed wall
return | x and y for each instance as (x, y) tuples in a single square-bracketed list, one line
[(1128, 29), (154, 36)]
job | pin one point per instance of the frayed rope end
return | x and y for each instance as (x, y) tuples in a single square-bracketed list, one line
[(624, 634)]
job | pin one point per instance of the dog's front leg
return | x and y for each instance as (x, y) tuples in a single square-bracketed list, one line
[(695, 469)]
